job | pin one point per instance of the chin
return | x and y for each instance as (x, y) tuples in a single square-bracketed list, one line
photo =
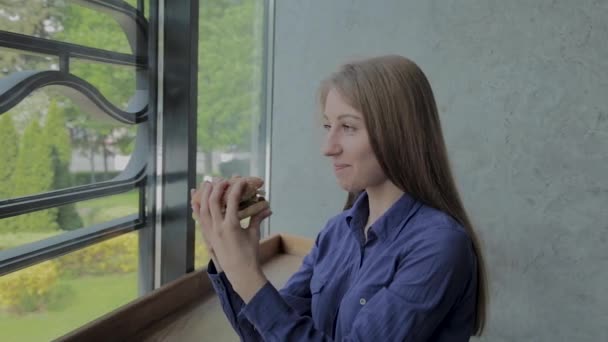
[(350, 187)]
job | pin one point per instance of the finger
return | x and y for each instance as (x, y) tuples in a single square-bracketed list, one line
[(258, 218), (215, 200), (204, 214), (254, 229), (207, 244), (253, 209), (204, 222), (195, 195), (194, 205), (234, 196)]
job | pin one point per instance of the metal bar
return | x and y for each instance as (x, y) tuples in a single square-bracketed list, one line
[(269, 49), (64, 63), (35, 45), (27, 204), (160, 30), (147, 235), (179, 131), (20, 257), (18, 85)]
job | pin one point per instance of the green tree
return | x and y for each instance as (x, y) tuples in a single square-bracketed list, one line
[(9, 142), (34, 174), (9, 148), (84, 26), (58, 138), (229, 74), (37, 18)]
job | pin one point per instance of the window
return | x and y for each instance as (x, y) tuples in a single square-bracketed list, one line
[(231, 122), (74, 109)]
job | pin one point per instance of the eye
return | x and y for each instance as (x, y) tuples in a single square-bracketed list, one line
[(326, 127), (348, 128)]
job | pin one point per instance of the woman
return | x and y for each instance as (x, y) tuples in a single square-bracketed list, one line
[(400, 263)]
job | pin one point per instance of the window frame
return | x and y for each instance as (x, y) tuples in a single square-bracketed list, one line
[(163, 164), (140, 172)]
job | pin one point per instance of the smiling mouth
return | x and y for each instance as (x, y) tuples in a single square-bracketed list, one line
[(338, 168)]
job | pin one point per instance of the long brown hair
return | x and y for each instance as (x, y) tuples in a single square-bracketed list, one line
[(400, 113)]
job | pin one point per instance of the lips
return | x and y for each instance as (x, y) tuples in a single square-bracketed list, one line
[(338, 167)]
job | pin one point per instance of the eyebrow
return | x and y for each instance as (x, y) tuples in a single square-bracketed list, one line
[(344, 115)]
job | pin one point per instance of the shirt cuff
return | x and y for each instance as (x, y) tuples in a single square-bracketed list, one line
[(218, 280), (266, 308), (211, 267)]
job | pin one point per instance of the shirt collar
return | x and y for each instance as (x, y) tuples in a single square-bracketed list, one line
[(386, 226)]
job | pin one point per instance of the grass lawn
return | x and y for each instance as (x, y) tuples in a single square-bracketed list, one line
[(108, 208), (91, 297), (92, 212), (17, 239)]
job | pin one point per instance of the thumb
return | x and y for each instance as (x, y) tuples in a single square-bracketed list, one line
[(254, 224)]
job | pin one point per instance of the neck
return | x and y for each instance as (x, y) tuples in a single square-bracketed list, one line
[(381, 198)]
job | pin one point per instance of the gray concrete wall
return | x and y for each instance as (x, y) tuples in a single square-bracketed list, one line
[(522, 88)]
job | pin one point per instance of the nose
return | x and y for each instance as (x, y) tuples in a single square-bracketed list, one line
[(331, 145)]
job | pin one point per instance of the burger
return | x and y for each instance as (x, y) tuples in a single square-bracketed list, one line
[(252, 200)]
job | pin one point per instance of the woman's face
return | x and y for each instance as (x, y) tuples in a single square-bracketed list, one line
[(347, 145)]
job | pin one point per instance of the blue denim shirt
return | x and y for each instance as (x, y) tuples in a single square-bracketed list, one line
[(414, 279)]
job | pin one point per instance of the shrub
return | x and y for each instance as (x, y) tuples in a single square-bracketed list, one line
[(30, 289), (114, 256)]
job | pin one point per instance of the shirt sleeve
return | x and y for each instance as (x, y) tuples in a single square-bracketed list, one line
[(231, 304), (428, 282), (295, 294)]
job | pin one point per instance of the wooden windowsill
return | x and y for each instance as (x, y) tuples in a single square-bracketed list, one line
[(188, 309)]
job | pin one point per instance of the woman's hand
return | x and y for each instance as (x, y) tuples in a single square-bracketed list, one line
[(195, 204), (196, 216), (235, 248)]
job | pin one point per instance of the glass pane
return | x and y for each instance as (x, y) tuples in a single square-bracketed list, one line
[(64, 21), (116, 83), (51, 144), (48, 300), (147, 9), (230, 86), (13, 60), (19, 230)]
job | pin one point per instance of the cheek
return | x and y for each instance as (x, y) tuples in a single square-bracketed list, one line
[(377, 176), (372, 173), (367, 169)]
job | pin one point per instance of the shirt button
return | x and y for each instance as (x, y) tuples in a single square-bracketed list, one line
[(362, 301)]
